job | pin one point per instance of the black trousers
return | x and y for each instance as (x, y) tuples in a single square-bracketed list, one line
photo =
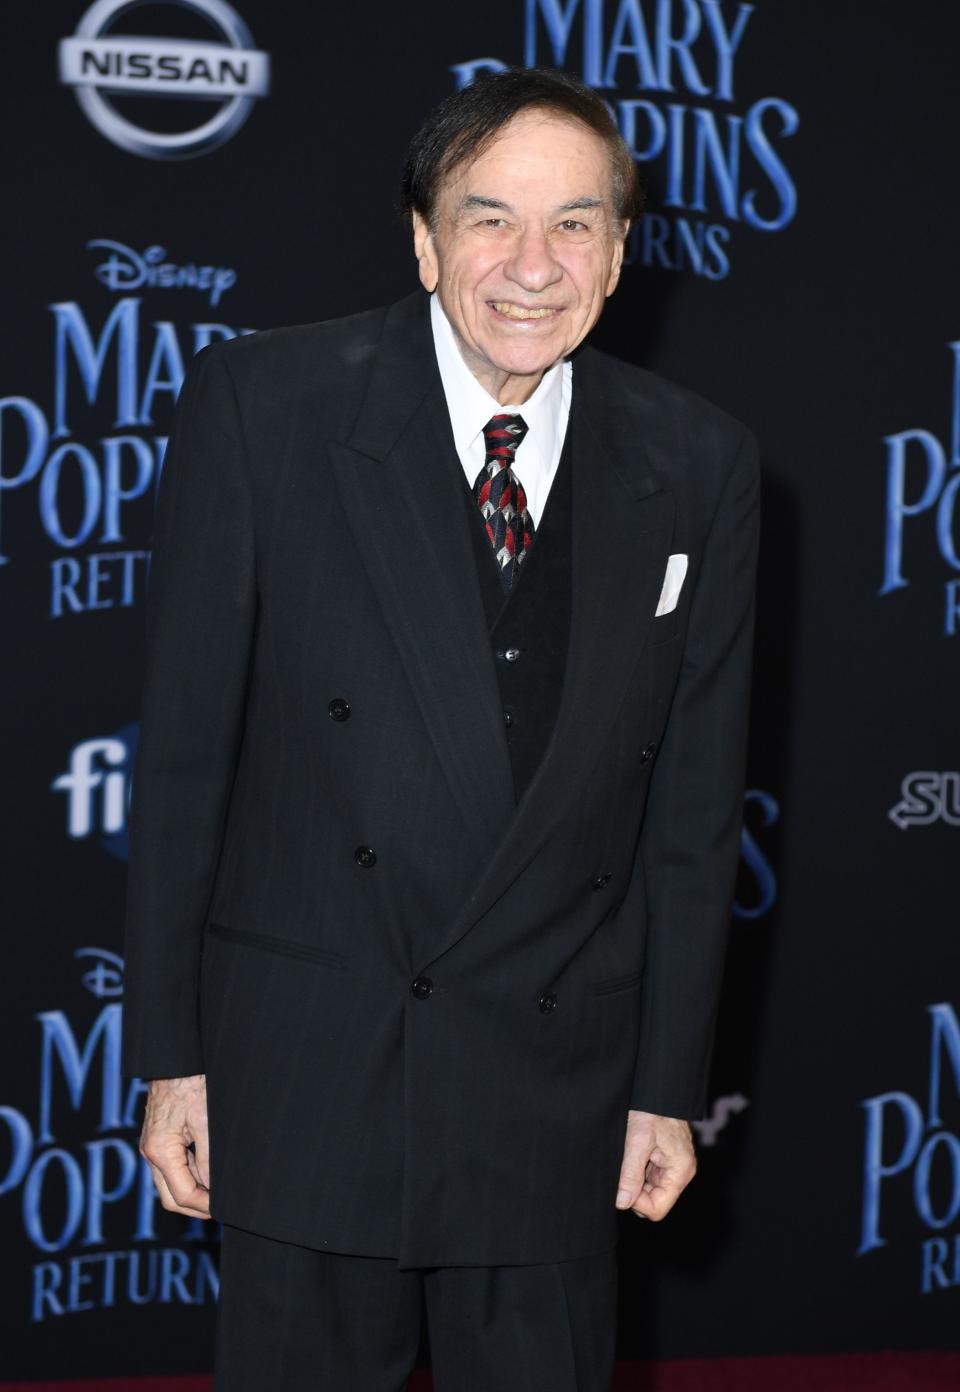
[(292, 1319)]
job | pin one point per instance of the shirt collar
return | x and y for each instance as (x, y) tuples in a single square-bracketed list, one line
[(471, 406)]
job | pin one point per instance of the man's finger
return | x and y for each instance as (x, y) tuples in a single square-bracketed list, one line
[(186, 1195), (656, 1202), (167, 1201), (179, 1185), (662, 1189), (633, 1172), (185, 1190)]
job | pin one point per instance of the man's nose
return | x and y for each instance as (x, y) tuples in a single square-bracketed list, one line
[(531, 264)]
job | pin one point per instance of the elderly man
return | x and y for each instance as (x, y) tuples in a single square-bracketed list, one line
[(436, 811)]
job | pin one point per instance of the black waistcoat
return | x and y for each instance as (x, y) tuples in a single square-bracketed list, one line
[(530, 624)]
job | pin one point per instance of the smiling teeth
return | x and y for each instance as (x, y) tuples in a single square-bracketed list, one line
[(515, 312)]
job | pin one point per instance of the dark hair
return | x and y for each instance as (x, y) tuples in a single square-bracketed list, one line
[(466, 122)]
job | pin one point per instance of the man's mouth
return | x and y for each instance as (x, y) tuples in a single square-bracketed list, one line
[(521, 312)]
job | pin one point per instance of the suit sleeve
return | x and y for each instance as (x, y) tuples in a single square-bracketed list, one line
[(201, 607), (690, 841)]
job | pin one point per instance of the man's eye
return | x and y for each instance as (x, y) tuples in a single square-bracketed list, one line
[(572, 225), (494, 222)]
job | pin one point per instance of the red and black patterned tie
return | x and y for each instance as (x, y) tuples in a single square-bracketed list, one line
[(500, 495)]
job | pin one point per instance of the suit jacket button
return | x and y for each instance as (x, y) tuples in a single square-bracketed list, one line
[(602, 881), (648, 753), (508, 718), (339, 709), (422, 987), (365, 856), (547, 1002)]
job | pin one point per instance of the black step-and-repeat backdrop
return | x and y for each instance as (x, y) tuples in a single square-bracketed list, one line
[(180, 171)]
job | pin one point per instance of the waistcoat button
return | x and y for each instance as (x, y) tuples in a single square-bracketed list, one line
[(365, 856)]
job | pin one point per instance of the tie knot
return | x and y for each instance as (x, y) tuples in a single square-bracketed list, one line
[(502, 434)]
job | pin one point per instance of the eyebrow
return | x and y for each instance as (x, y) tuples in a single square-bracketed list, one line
[(478, 200)]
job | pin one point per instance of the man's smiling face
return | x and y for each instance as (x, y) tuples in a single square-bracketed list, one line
[(525, 248)]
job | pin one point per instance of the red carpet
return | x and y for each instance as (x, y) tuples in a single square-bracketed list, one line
[(849, 1372)]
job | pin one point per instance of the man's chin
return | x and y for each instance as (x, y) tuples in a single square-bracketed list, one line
[(526, 363)]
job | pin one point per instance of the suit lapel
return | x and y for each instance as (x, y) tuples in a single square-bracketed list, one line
[(398, 478), (622, 526)]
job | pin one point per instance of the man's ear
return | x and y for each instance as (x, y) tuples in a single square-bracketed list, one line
[(425, 252), (617, 263)]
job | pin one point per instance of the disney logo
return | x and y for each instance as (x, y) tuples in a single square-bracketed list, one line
[(105, 978), (126, 269)]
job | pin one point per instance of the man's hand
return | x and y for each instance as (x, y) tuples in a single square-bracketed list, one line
[(175, 1119), (658, 1164)]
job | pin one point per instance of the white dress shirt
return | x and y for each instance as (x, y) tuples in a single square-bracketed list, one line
[(546, 414)]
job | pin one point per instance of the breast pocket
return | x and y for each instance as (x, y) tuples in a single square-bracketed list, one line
[(281, 947), (667, 627), (617, 985)]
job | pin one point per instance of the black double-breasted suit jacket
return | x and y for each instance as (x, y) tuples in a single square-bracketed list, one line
[(423, 1006)]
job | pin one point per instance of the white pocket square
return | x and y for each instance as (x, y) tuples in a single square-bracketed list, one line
[(672, 584)]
